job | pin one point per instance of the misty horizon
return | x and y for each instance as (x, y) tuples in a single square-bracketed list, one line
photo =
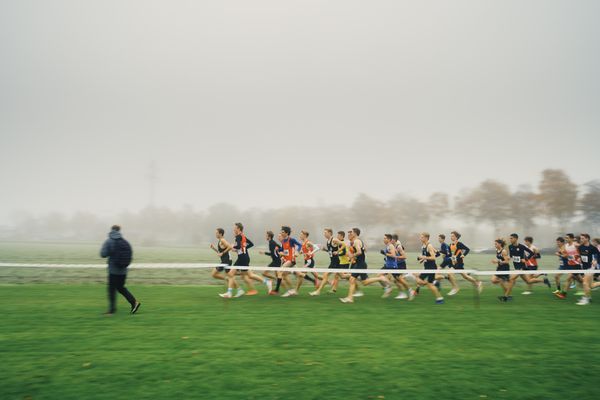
[(270, 105)]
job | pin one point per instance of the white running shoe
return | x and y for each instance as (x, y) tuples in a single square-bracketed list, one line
[(314, 293), (289, 293), (584, 301), (527, 292), (269, 286), (346, 300), (226, 295), (387, 291), (573, 285), (453, 292), (479, 287), (411, 295), (401, 296), (240, 293), (358, 294)]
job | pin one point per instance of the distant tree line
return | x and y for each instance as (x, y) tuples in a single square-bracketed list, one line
[(556, 205)]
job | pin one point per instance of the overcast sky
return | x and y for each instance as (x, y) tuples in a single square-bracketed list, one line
[(270, 103)]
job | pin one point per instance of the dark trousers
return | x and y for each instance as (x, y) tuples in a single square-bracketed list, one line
[(116, 283)]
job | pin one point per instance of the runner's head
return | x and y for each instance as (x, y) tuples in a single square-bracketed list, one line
[(441, 237), (560, 241), (528, 240), (238, 228), (279, 237), (584, 238), (514, 238), (328, 233), (219, 233), (115, 228), (286, 231), (341, 235), (270, 235), (387, 238), (454, 236), (424, 237), (353, 233), (304, 235), (395, 238), (570, 238), (596, 241), (499, 243)]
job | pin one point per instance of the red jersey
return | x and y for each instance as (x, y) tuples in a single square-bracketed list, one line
[(307, 248)]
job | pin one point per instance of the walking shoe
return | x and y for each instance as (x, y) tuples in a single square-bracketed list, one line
[(453, 292), (346, 300), (240, 293), (135, 307), (401, 296), (226, 295), (358, 294), (411, 295), (439, 301), (314, 293)]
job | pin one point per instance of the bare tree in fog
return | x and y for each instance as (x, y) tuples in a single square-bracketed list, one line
[(590, 205), (558, 197)]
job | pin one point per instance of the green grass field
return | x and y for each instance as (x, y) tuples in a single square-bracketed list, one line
[(186, 342)]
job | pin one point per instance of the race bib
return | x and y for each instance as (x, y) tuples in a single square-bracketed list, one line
[(584, 259), (516, 259), (453, 258)]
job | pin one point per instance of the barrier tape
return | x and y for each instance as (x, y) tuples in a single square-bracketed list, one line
[(305, 269)]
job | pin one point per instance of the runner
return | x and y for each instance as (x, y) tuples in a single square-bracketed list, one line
[(308, 250), (400, 279), (275, 260), (241, 246), (222, 249), (289, 251), (332, 247), (458, 252), (589, 261), (502, 262), (531, 264), (427, 258), (357, 261)]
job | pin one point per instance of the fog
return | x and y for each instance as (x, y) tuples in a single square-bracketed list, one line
[(277, 103)]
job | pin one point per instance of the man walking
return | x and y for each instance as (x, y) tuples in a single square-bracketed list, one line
[(119, 253)]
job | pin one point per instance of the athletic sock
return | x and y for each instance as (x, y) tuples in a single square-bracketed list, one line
[(229, 290), (278, 284)]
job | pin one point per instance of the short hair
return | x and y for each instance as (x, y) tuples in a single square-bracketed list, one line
[(305, 233), (221, 231), (270, 234), (455, 233), (596, 240), (514, 235), (342, 233), (560, 239), (240, 226), (286, 229), (388, 236), (570, 235), (329, 230), (585, 235), (426, 234), (356, 231), (501, 242), (442, 236), (395, 236), (115, 228), (528, 239)]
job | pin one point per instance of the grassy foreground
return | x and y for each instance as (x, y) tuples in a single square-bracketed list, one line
[(188, 343)]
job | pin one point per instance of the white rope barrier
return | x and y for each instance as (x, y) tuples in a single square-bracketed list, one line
[(304, 269)]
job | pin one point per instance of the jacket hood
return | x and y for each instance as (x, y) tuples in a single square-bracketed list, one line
[(115, 235)]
